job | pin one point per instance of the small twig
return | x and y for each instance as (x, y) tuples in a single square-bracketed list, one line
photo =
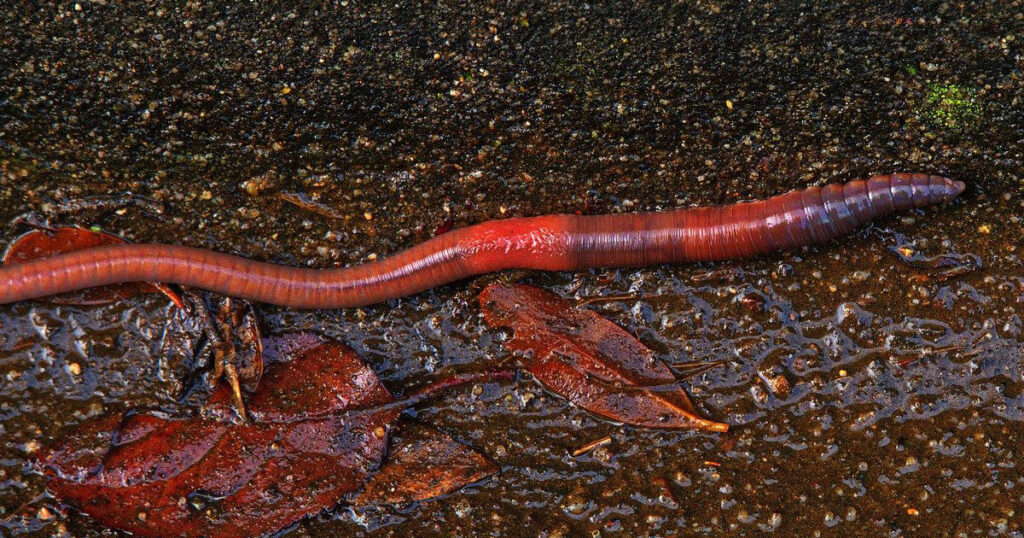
[(605, 298), (691, 369), (24, 344), (303, 202), (607, 439)]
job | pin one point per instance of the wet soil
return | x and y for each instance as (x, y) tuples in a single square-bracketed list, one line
[(906, 392)]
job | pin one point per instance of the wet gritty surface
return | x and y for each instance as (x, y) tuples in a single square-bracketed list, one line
[(905, 392)]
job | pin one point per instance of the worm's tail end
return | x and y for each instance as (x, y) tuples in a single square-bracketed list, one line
[(915, 190)]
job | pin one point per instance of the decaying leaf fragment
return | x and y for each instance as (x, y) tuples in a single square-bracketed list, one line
[(589, 360), (232, 340), (424, 463)]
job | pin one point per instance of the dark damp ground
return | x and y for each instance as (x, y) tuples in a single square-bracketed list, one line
[(907, 399)]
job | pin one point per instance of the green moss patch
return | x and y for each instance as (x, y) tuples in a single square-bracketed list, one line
[(951, 107)]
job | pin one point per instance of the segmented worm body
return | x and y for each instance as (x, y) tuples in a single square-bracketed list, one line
[(550, 242)]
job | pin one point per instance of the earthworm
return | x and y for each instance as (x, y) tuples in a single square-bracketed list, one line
[(550, 242)]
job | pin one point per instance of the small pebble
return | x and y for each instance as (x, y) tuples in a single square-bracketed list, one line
[(780, 387), (526, 398)]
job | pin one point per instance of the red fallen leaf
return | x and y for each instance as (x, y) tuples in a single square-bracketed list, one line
[(307, 386), (319, 430), (39, 244), (590, 360), (319, 433), (424, 463)]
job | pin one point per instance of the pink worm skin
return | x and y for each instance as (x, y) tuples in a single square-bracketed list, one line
[(550, 242)]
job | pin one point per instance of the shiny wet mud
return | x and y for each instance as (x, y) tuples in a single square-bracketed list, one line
[(865, 396)]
